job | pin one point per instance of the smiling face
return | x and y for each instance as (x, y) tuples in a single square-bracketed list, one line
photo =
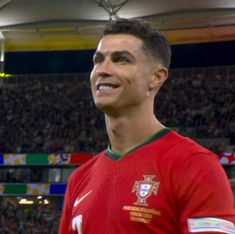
[(122, 75)]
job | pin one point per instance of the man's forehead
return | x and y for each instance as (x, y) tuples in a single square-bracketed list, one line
[(119, 42)]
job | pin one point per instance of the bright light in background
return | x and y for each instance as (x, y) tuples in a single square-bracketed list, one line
[(4, 75), (24, 201), (39, 197), (46, 202), (2, 56), (1, 36)]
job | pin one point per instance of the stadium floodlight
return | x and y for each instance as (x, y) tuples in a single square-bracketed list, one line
[(2, 51), (24, 201), (111, 7), (1, 36), (46, 202)]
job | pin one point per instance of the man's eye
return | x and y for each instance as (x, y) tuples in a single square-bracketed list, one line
[(120, 60), (97, 59)]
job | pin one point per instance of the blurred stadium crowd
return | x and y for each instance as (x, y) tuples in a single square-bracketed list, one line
[(16, 175), (29, 220), (61, 117), (38, 117), (202, 107)]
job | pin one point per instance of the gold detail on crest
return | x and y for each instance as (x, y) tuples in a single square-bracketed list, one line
[(144, 189)]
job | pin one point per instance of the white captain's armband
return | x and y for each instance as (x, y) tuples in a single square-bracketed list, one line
[(210, 225), (77, 224)]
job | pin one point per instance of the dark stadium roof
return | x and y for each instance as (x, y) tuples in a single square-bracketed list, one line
[(29, 25)]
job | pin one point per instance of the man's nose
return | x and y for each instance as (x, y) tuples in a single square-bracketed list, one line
[(104, 69)]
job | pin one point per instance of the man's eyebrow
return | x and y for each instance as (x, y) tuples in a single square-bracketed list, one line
[(115, 53), (123, 53)]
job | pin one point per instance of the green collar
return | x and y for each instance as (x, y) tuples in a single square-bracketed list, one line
[(156, 136)]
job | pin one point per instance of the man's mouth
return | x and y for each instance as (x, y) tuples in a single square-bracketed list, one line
[(106, 86)]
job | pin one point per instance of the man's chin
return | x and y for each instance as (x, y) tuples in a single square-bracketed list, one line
[(107, 108), (103, 106)]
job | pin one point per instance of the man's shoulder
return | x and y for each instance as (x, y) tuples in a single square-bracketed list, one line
[(186, 143), (84, 168), (179, 147)]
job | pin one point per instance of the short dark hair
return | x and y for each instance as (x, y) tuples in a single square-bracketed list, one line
[(154, 41)]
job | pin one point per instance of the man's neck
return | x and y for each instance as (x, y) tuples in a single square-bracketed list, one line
[(125, 133)]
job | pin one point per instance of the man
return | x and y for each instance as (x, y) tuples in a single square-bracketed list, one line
[(150, 179)]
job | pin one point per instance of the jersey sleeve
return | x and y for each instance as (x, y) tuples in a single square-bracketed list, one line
[(205, 197)]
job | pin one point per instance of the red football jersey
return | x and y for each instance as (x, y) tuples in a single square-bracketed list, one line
[(169, 184)]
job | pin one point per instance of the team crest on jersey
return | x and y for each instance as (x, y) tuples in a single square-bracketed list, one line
[(144, 189)]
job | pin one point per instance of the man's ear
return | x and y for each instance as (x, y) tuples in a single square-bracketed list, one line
[(159, 76)]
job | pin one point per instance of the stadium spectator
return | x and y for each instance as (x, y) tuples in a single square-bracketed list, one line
[(60, 117)]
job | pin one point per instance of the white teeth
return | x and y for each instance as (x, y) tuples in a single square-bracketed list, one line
[(105, 86)]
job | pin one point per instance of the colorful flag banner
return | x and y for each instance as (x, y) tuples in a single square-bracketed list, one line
[(33, 189), (44, 159), (15, 189), (2, 189), (59, 158), (14, 159), (227, 158), (80, 158), (37, 159), (57, 188), (38, 189), (1, 159)]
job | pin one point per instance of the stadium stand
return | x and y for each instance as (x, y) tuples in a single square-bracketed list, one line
[(32, 188), (56, 117), (46, 118), (28, 220), (59, 115)]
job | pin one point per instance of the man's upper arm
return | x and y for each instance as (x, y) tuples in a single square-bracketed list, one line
[(205, 197)]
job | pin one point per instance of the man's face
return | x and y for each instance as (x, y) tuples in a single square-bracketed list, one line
[(121, 75)]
